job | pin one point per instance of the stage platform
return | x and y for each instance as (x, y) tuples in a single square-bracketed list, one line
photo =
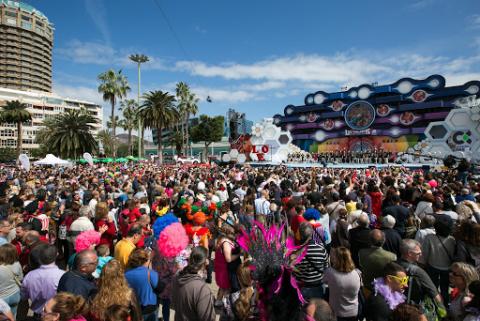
[(345, 165)]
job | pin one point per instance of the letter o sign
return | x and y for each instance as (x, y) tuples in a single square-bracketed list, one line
[(264, 149)]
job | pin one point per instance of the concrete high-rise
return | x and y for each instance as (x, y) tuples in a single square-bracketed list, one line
[(26, 40)]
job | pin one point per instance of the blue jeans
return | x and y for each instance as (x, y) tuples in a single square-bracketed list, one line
[(313, 293), (153, 316), (12, 301), (166, 309)]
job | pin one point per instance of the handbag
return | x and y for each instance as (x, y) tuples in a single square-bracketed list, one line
[(361, 300), (432, 309), (445, 248), (160, 285)]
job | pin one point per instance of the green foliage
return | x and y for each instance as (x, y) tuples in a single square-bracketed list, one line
[(209, 130), (7, 155), (158, 112), (177, 140), (187, 105), (123, 150), (39, 152), (113, 86), (69, 134), (106, 140), (15, 112), (129, 122)]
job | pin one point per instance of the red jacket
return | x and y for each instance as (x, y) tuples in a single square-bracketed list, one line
[(109, 235)]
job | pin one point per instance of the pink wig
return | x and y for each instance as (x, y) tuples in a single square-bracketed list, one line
[(172, 240), (85, 239)]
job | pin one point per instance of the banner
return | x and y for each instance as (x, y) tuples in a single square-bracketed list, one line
[(24, 161), (88, 158)]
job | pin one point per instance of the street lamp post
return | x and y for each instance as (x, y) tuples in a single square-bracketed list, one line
[(139, 59)]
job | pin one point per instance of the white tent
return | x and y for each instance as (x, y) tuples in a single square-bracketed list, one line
[(50, 159)]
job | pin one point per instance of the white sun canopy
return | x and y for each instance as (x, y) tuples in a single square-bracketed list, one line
[(51, 159)]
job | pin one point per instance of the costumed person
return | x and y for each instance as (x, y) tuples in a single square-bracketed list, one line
[(321, 234), (87, 240), (227, 261), (198, 233), (388, 293), (279, 296), (169, 255), (161, 207)]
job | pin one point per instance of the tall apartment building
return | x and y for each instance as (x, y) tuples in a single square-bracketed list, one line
[(41, 106), (26, 40)]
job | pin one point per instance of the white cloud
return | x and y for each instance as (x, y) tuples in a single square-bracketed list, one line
[(420, 4), (338, 68), (200, 30), (474, 21), (264, 86), (332, 72), (78, 92), (96, 53), (222, 95), (287, 76), (97, 11)]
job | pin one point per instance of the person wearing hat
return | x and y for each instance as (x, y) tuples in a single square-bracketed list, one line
[(321, 234), (198, 233)]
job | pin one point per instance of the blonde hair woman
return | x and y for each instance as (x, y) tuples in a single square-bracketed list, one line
[(113, 289), (461, 275)]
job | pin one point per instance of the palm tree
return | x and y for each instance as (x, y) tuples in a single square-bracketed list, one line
[(69, 134), (139, 59), (110, 122), (105, 139), (129, 111), (177, 142), (16, 112), (158, 112), (113, 86), (187, 104)]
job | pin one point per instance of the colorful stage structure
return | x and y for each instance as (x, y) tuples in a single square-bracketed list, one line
[(413, 116)]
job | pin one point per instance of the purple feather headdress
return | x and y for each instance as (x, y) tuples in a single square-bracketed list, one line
[(272, 263)]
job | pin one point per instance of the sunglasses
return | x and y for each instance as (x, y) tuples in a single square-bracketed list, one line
[(455, 274), (402, 281)]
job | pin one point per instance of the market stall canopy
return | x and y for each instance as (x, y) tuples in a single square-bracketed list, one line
[(50, 159)]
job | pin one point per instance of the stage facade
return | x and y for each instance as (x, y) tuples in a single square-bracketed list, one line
[(407, 115)]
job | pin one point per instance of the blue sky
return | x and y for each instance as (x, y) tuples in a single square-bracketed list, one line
[(259, 56)]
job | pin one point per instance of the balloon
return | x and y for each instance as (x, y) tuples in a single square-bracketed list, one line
[(88, 158), (24, 161)]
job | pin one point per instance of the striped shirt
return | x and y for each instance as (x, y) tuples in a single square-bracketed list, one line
[(310, 270)]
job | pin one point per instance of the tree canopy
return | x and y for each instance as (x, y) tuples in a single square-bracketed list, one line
[(15, 112), (208, 130), (69, 134)]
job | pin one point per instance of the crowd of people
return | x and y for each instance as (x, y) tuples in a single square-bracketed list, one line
[(136, 241), (344, 157)]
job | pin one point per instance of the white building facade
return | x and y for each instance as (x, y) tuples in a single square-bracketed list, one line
[(42, 105)]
